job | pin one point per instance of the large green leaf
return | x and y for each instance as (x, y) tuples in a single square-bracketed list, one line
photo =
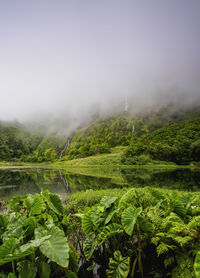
[(29, 225), (119, 266), (26, 269), (15, 203), (197, 265), (9, 252), (53, 202), (34, 204), (127, 198), (107, 201), (55, 248), (7, 248), (129, 218), (178, 207), (15, 228), (110, 214), (89, 245), (87, 224), (3, 221), (109, 231)]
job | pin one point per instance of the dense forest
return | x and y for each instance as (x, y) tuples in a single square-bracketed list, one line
[(161, 135)]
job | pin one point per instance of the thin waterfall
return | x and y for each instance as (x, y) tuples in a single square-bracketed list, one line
[(133, 128), (65, 148), (66, 184)]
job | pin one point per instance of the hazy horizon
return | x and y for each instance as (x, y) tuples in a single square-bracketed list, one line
[(71, 59)]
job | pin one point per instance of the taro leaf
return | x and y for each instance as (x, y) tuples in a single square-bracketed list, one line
[(87, 224), (145, 225), (15, 203), (90, 245), (8, 247), (119, 266), (33, 243), (15, 229), (110, 215), (54, 217), (178, 207), (53, 202), (109, 231), (45, 270), (30, 224), (127, 198), (107, 201), (55, 248), (34, 204), (197, 265), (8, 253), (129, 217), (3, 221), (26, 269)]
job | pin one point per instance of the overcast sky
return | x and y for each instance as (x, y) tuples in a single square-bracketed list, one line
[(68, 55)]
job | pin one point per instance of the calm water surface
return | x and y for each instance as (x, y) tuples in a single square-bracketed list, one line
[(20, 181)]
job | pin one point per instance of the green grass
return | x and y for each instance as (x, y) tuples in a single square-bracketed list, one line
[(82, 199), (88, 198), (113, 158)]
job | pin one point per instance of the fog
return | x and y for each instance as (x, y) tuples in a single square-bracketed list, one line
[(64, 62)]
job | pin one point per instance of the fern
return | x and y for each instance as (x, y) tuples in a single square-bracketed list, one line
[(184, 268), (194, 223), (170, 220), (163, 248), (155, 215), (182, 241), (168, 261)]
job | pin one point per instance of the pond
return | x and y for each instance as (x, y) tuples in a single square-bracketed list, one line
[(20, 181)]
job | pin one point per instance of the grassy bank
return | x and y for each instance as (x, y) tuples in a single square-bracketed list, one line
[(112, 159)]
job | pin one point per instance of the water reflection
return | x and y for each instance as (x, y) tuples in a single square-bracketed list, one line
[(18, 181)]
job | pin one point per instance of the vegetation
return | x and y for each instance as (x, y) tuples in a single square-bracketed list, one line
[(149, 232), (100, 136), (176, 142), (33, 238), (153, 138), (144, 233), (17, 144)]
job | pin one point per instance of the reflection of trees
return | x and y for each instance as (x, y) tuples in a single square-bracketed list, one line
[(82, 182), (26, 181), (33, 180), (183, 179)]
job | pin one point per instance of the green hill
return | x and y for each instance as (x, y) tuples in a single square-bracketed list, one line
[(165, 135)]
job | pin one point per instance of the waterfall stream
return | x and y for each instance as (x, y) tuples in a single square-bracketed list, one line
[(65, 148), (66, 184)]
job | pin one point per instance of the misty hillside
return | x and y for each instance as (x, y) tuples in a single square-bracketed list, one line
[(165, 134)]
